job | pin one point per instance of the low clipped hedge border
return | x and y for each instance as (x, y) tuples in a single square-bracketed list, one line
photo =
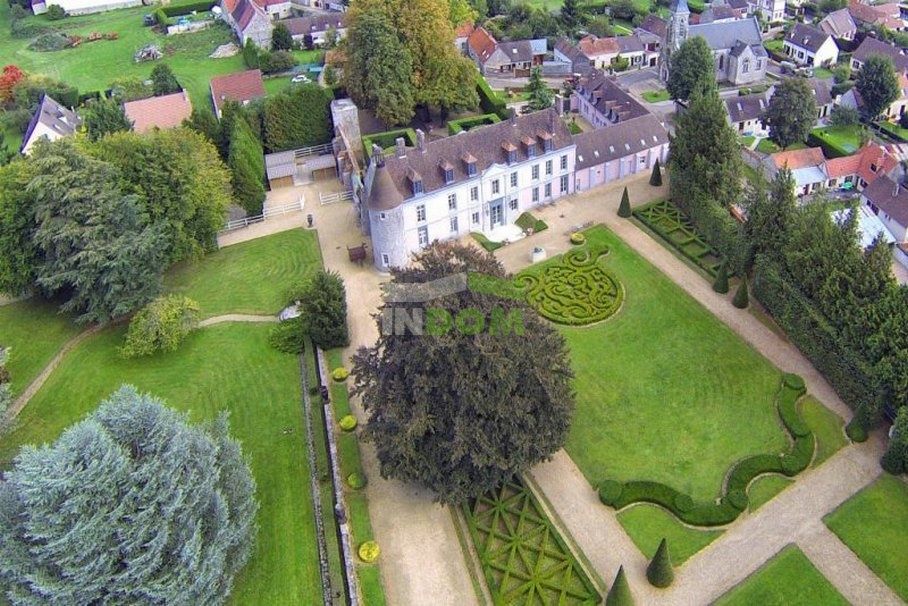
[(645, 214), (388, 139), (455, 127), (527, 221), (734, 499)]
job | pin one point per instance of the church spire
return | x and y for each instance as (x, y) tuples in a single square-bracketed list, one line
[(675, 36)]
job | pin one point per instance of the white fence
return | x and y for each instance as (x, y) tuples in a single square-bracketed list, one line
[(335, 197), (315, 150), (267, 214)]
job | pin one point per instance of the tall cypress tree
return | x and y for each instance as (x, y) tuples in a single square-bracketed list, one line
[(741, 299), (659, 572), (247, 164), (620, 592), (655, 179), (624, 208), (720, 285)]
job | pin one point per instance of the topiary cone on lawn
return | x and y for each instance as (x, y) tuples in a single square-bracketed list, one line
[(656, 178), (659, 572), (721, 283), (741, 299), (620, 592), (624, 209)]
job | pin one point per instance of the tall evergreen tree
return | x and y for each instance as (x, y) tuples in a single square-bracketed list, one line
[(105, 116), (692, 65), (131, 505), (792, 111), (768, 215), (247, 165), (659, 572), (720, 284), (624, 207), (19, 255), (540, 95), (202, 121), (431, 420), (164, 81), (281, 38), (655, 179), (878, 84), (324, 310), (571, 14), (741, 299)]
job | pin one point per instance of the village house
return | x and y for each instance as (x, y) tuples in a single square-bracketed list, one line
[(602, 102), (166, 111), (822, 95), (771, 10), (871, 46), (317, 26), (478, 181), (566, 52), (494, 57), (249, 20), (812, 172), (745, 114), (879, 15), (808, 45), (718, 13), (462, 35), (50, 121), (807, 168), (608, 154), (889, 202), (898, 108), (241, 87), (839, 24), (601, 52)]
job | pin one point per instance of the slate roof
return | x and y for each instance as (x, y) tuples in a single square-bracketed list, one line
[(393, 181), (655, 25), (630, 44), (579, 61), (807, 37), (280, 164), (822, 92), (719, 12), (838, 23), (166, 111), (243, 13), (727, 34), (54, 116), (740, 5), (880, 14), (746, 107), (311, 24), (239, 87), (757, 49), (625, 138), (889, 197), (605, 94), (872, 46), (540, 46), (518, 51)]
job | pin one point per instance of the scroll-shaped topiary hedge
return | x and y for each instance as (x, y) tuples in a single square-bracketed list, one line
[(734, 499)]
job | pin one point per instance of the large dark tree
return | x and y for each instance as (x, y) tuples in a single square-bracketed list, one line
[(163, 80), (281, 38), (105, 116), (461, 413), (247, 165), (298, 117), (19, 256), (792, 111), (691, 66), (878, 85), (768, 215), (540, 95), (571, 14), (132, 505), (324, 310)]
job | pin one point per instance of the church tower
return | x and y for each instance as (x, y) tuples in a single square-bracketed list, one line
[(675, 35)]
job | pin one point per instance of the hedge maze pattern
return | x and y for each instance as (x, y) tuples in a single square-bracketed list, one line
[(524, 558), (672, 226), (741, 474), (574, 290)]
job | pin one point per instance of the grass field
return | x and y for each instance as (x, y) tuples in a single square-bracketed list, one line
[(226, 367), (828, 427), (663, 386), (655, 96), (252, 277), (895, 130), (873, 524), (92, 66), (35, 331), (764, 489), (839, 140), (788, 579), (646, 525)]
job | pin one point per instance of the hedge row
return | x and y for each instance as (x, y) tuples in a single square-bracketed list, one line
[(812, 333), (734, 500), (527, 221), (188, 8), (388, 139), (489, 100), (456, 127), (643, 214)]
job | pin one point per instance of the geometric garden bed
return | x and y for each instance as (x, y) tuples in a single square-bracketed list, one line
[(670, 224), (523, 557)]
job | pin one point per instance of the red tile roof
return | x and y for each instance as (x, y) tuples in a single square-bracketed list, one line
[(875, 162), (464, 30), (799, 158), (166, 111), (842, 167), (482, 43), (593, 47), (239, 87)]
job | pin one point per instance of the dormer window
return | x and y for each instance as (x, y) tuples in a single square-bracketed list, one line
[(415, 181), (530, 144), (511, 151), (547, 142), (417, 187), (470, 161), (448, 169)]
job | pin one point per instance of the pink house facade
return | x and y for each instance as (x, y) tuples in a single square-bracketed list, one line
[(623, 150)]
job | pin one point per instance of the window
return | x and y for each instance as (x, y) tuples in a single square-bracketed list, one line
[(385, 260), (514, 179), (452, 201), (745, 66), (474, 193), (564, 162), (531, 150), (513, 204), (641, 159), (496, 186), (475, 218), (535, 171), (417, 187), (564, 184), (548, 190), (471, 169), (382, 216), (421, 212), (512, 156), (548, 167), (759, 64), (535, 194), (547, 145), (449, 175), (453, 225), (423, 234)]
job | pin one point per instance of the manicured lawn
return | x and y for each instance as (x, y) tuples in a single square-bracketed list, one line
[(35, 331), (647, 525), (838, 140), (894, 130), (828, 427), (92, 66), (252, 277), (549, 5), (767, 146), (774, 45), (822, 73), (788, 579), (226, 367), (874, 525), (655, 96), (663, 386), (764, 489), (748, 141)]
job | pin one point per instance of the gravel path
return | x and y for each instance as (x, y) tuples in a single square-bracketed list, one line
[(235, 318)]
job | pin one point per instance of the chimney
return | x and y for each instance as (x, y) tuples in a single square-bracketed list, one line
[(401, 146), (896, 190), (378, 156), (513, 117), (421, 140)]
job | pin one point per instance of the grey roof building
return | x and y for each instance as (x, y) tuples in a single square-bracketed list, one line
[(746, 107), (839, 24), (626, 138), (871, 46), (51, 121)]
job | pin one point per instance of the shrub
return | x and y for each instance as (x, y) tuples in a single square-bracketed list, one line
[(464, 124), (737, 498), (895, 459), (683, 502), (340, 374), (160, 326), (527, 221), (659, 572), (161, 18), (624, 208), (487, 244), (55, 12), (298, 117), (794, 381), (50, 41), (577, 238), (744, 472), (619, 594), (368, 552), (289, 336), (741, 299), (720, 285), (610, 492), (655, 179), (489, 100), (251, 55), (788, 411), (325, 310), (347, 422), (276, 62), (356, 481), (856, 431)]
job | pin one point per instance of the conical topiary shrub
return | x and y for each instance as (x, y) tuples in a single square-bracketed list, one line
[(624, 209), (620, 592), (741, 299), (656, 177), (659, 572), (721, 283)]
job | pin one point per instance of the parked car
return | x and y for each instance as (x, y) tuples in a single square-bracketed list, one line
[(787, 67), (301, 79)]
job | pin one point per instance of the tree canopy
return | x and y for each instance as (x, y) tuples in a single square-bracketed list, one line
[(131, 505), (163, 80), (691, 66), (247, 165), (540, 95), (298, 117), (878, 85), (105, 116), (792, 111), (281, 38), (461, 413)]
